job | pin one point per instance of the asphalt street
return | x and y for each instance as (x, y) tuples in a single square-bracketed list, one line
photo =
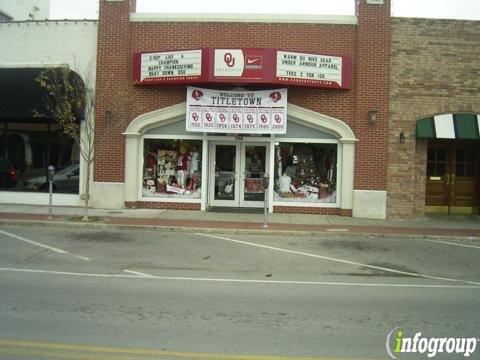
[(137, 294)]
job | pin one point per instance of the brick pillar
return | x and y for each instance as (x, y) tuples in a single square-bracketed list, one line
[(114, 84), (372, 90)]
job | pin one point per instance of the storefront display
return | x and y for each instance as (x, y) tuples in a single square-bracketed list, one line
[(172, 168), (305, 172)]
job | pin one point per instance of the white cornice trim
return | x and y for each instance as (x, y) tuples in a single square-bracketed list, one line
[(144, 121), (32, 65), (245, 18)]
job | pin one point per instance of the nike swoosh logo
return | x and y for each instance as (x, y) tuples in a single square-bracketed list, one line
[(251, 61)]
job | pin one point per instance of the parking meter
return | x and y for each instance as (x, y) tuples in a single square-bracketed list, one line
[(51, 176), (265, 181), (51, 172)]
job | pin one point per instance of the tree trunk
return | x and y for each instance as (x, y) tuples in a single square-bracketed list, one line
[(86, 192)]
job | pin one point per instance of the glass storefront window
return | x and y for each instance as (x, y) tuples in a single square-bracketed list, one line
[(27, 149), (305, 172), (172, 168)]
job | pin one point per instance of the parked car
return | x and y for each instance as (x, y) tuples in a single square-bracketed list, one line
[(8, 174), (65, 181)]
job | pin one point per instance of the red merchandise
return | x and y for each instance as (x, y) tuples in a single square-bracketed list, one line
[(161, 187), (151, 161), (182, 162)]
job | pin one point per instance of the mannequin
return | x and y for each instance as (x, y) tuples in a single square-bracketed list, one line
[(279, 161), (182, 165), (151, 161), (193, 163), (285, 182)]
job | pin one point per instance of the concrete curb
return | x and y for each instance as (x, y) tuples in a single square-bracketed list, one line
[(227, 231)]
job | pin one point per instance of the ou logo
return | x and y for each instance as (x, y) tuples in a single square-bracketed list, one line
[(278, 119), (222, 117), (195, 116), (250, 118), (229, 59), (236, 118), (209, 117), (263, 118)]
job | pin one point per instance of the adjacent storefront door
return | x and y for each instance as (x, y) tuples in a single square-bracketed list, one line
[(452, 185), (236, 171)]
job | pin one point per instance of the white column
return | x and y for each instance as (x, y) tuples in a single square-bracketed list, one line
[(205, 172), (348, 167), (132, 166), (271, 170)]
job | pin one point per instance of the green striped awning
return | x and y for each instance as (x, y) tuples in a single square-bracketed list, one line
[(450, 126)]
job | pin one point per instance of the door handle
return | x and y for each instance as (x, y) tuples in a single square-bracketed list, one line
[(450, 179)]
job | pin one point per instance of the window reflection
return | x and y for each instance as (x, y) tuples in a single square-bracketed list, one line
[(27, 149)]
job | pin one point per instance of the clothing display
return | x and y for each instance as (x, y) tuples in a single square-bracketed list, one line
[(194, 160), (182, 162), (171, 170), (285, 182), (182, 178), (310, 172)]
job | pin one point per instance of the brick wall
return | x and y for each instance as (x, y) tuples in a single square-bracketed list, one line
[(312, 210), (113, 89), (371, 93), (368, 44), (328, 39), (161, 205), (435, 69)]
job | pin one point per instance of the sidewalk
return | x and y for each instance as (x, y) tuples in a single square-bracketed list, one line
[(434, 225)]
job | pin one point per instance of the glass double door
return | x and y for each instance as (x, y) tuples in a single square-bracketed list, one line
[(236, 171)]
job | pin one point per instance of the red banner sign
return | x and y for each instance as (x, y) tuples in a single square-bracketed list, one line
[(253, 66), (241, 65)]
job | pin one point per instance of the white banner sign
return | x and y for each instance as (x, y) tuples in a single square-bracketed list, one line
[(171, 64), (256, 112), (309, 67), (229, 63)]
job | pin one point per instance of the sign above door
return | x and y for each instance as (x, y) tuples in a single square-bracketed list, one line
[(251, 112), (240, 66)]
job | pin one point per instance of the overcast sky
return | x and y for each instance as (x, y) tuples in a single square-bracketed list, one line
[(449, 9)]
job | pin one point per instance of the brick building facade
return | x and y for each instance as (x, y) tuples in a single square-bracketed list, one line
[(398, 140), (362, 150), (435, 70)]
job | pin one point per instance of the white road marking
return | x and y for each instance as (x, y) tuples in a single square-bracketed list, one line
[(246, 281), (51, 248), (80, 257), (339, 260), (68, 273), (138, 273), (452, 243)]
